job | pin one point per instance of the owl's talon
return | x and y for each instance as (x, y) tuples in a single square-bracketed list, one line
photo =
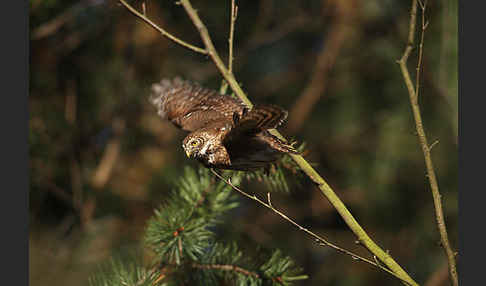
[(244, 112), (236, 118)]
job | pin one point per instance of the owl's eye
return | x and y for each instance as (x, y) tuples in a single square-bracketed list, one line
[(195, 143)]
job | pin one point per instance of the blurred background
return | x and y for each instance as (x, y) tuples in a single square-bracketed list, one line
[(101, 159)]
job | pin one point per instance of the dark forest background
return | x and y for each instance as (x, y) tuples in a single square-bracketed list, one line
[(101, 159)]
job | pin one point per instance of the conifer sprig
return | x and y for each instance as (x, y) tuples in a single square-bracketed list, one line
[(179, 228), (119, 272), (186, 248)]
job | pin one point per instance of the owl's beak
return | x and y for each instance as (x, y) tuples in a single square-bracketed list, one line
[(188, 153)]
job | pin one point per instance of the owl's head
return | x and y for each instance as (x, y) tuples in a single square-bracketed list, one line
[(196, 144)]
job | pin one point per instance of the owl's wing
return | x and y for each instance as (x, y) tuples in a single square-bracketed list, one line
[(258, 119), (190, 106)]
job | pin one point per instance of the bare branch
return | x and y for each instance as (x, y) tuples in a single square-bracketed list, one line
[(413, 95), (234, 14), (162, 31), (421, 46)]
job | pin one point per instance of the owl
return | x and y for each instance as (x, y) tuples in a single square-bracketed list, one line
[(224, 132)]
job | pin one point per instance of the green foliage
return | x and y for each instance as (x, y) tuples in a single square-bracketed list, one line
[(204, 189), (180, 227), (117, 273), (181, 235), (173, 233), (281, 269), (220, 254), (272, 269)]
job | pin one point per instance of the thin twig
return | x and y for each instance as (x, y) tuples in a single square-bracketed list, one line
[(433, 144), (234, 14), (162, 31), (421, 47), (413, 95), (326, 190), (319, 239), (179, 244)]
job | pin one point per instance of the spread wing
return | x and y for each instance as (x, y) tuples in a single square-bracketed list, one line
[(248, 137), (258, 119), (190, 106)]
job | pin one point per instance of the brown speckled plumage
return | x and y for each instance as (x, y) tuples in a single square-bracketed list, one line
[(225, 134)]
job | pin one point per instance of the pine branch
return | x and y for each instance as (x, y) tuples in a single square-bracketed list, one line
[(173, 233), (119, 273), (179, 227), (181, 234), (281, 269), (229, 263)]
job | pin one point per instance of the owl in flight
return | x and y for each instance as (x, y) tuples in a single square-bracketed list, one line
[(224, 132)]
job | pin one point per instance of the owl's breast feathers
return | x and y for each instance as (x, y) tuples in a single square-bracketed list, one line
[(236, 138)]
